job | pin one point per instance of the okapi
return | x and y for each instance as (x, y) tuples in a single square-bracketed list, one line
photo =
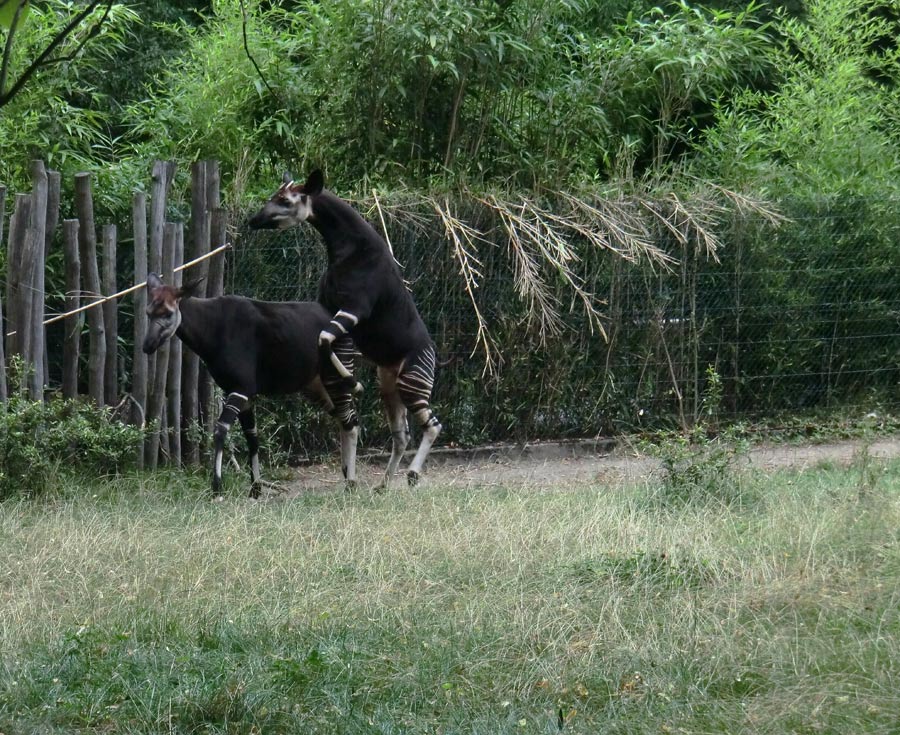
[(254, 348), (364, 292)]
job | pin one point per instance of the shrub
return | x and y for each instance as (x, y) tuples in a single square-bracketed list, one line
[(41, 442)]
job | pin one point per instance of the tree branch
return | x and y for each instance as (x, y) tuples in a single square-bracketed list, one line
[(44, 59), (250, 56), (7, 50)]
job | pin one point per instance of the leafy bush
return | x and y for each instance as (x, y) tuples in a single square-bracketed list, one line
[(40, 442)]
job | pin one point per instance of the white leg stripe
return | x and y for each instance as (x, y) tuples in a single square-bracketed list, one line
[(347, 315), (326, 337), (339, 366)]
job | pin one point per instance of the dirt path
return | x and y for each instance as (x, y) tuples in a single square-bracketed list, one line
[(575, 462)]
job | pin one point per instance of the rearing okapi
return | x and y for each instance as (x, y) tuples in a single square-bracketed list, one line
[(363, 289), (253, 348)]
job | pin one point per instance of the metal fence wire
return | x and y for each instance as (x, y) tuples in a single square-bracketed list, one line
[(785, 319)]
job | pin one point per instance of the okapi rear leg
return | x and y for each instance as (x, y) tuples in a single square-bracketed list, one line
[(414, 386), (235, 403), (395, 413), (248, 424)]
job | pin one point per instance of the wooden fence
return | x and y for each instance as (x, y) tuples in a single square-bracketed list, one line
[(167, 390)]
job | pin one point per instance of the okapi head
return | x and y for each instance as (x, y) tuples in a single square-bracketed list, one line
[(290, 205), (163, 314)]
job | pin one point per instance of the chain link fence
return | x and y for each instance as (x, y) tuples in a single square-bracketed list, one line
[(780, 320)]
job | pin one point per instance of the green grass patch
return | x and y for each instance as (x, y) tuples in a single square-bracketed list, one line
[(137, 606)]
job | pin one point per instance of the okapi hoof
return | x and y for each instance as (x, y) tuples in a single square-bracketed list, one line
[(351, 486), (255, 491), (412, 478)]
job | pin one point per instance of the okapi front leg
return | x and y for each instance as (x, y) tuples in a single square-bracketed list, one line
[(414, 385), (235, 403), (248, 424), (333, 339)]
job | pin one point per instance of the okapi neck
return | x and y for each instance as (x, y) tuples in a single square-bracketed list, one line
[(197, 317), (343, 228)]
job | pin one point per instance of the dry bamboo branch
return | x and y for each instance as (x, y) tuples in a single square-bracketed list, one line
[(462, 235)]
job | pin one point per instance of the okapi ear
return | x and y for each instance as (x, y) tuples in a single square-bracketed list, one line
[(286, 178), (314, 183), (153, 281), (190, 288)]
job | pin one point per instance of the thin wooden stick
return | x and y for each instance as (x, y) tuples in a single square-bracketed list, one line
[(131, 289), (387, 238)]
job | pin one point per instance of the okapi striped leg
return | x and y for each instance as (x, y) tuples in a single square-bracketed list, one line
[(414, 385), (235, 403), (248, 424), (343, 408), (330, 340), (395, 413)]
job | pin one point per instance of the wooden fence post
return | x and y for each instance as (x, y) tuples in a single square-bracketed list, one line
[(3, 395), (161, 179), (157, 402), (199, 246), (71, 324), (87, 243), (54, 184), (110, 317), (18, 225), (215, 286), (139, 366), (36, 339), (174, 379)]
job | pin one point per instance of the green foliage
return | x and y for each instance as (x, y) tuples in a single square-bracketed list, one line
[(418, 91), (60, 116), (699, 466), (830, 124), (42, 442)]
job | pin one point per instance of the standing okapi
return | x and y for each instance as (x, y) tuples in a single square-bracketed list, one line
[(364, 292), (253, 348)]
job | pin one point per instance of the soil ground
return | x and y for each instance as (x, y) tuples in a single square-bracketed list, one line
[(582, 462)]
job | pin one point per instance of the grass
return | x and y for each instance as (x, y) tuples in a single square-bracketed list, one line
[(135, 606)]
